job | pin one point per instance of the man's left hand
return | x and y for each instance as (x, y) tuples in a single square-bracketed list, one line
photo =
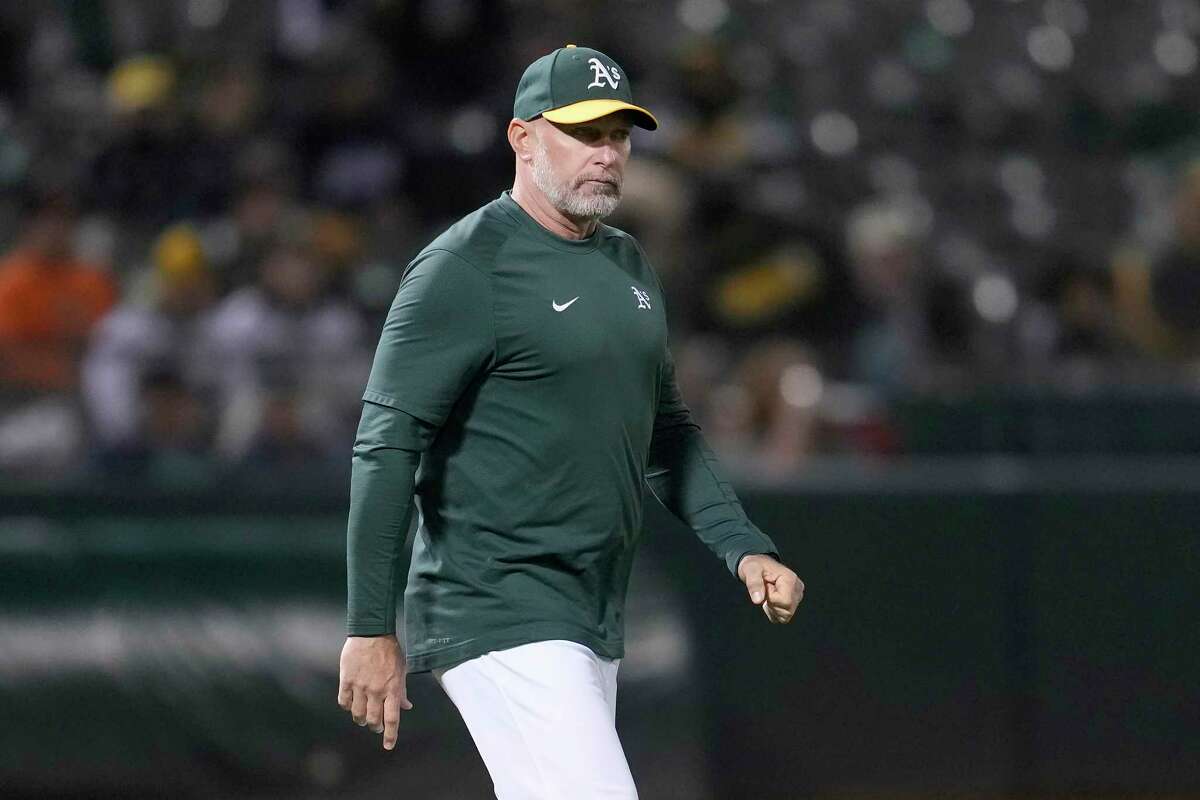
[(772, 586)]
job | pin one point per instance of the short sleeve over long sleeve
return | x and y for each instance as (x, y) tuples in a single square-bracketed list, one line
[(438, 336)]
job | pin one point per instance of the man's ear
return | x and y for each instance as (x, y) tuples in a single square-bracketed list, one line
[(522, 139)]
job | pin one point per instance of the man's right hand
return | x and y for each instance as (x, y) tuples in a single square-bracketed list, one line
[(372, 684)]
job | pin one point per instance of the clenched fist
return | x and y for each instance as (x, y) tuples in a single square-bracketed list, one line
[(772, 586)]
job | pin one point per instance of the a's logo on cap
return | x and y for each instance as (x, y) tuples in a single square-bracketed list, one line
[(602, 73)]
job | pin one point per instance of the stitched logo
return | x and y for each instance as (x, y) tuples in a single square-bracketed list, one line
[(642, 297), (564, 306), (601, 73)]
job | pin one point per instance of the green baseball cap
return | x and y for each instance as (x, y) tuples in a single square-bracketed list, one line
[(576, 84)]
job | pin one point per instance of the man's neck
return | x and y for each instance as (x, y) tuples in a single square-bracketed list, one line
[(545, 214)]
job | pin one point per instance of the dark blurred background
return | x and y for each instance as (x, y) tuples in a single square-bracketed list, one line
[(934, 279)]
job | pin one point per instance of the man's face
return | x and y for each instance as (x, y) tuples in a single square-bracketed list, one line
[(579, 167), (51, 233)]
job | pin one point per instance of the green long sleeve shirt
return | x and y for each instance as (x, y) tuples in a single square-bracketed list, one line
[(522, 395)]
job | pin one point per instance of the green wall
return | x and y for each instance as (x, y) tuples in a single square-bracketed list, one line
[(981, 628)]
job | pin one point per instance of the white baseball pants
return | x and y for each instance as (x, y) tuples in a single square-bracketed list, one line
[(543, 716)]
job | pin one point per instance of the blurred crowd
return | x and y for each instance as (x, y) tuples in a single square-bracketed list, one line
[(208, 205)]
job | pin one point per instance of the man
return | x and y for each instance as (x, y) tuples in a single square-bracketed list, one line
[(524, 368), (146, 351), (49, 303)]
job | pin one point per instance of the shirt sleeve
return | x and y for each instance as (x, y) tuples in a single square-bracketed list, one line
[(437, 338), (685, 476), (387, 450)]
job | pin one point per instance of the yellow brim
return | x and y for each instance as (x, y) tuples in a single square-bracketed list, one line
[(588, 110)]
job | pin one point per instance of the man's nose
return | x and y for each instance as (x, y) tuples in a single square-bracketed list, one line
[(607, 153)]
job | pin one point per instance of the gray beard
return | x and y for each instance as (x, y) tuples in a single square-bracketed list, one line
[(573, 201)]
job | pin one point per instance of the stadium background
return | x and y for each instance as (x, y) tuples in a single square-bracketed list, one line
[(934, 281)]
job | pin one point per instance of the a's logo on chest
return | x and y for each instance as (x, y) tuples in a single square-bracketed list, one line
[(643, 299)]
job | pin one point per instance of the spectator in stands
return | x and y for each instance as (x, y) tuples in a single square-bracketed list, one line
[(765, 419), (1155, 298), (172, 446), (162, 162), (137, 339), (49, 303), (785, 387), (288, 329), (1176, 274), (890, 349), (1081, 298), (284, 438)]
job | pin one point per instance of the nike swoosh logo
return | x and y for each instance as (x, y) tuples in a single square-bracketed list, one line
[(564, 306)]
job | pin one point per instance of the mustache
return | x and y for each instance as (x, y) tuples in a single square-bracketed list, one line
[(611, 180)]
